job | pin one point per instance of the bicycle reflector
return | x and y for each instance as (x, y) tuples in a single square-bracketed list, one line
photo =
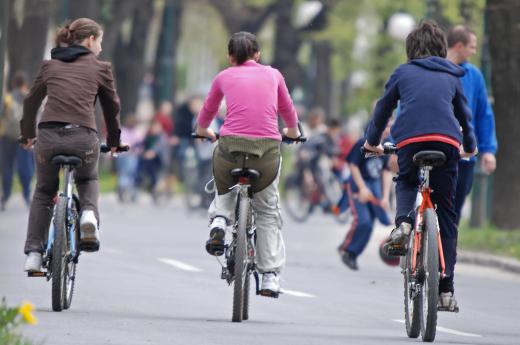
[(390, 260)]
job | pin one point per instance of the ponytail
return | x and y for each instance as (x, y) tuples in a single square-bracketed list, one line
[(77, 31), (243, 46)]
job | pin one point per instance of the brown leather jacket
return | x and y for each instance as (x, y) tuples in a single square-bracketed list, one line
[(72, 81)]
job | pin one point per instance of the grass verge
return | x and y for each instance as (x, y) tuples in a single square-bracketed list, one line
[(491, 240)]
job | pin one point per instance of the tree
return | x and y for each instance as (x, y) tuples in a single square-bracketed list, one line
[(165, 60), (4, 19), (27, 36), (503, 18), (129, 57), (244, 16)]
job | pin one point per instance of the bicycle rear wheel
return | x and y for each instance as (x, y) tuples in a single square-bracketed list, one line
[(430, 291), (59, 253), (241, 263), (412, 302), (245, 310)]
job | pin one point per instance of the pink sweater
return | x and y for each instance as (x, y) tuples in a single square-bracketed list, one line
[(255, 94)]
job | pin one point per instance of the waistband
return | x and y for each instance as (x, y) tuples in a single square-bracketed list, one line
[(56, 124), (429, 137)]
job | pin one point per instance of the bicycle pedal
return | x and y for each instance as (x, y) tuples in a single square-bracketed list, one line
[(41, 274), (395, 250), (269, 293)]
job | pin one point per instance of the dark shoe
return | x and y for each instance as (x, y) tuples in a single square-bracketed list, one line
[(349, 259), (216, 244)]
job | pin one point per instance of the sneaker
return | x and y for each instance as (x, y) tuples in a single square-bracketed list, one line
[(270, 285), (447, 302), (89, 233), (349, 259), (396, 243), (215, 245), (33, 262)]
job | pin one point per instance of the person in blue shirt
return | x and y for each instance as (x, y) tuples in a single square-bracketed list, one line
[(368, 190), (434, 116), (462, 44)]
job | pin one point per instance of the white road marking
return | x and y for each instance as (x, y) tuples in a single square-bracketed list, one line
[(450, 331), (180, 265), (297, 293)]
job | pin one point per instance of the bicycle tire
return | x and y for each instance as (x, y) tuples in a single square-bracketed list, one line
[(430, 289), (296, 201), (412, 306), (59, 249), (240, 269), (71, 265)]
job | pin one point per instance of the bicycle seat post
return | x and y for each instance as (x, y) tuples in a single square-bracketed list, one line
[(426, 175)]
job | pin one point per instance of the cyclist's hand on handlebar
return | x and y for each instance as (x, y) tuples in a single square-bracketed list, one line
[(27, 143), (114, 150), (379, 150), (293, 132), (208, 133), (464, 154)]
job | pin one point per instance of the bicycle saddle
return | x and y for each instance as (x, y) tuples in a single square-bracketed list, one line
[(429, 158), (73, 161), (245, 172)]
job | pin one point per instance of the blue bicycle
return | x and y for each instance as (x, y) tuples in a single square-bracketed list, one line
[(62, 252)]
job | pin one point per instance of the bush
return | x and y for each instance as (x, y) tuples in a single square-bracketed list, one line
[(11, 319)]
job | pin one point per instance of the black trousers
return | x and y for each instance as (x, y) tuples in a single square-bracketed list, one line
[(443, 181)]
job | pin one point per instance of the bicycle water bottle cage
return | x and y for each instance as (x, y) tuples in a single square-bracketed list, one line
[(429, 158), (245, 173), (72, 161)]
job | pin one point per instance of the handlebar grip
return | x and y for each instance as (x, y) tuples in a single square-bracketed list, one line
[(388, 149), (104, 148), (196, 136)]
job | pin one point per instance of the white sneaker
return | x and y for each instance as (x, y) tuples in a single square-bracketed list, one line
[(33, 262), (270, 284), (218, 222), (89, 233)]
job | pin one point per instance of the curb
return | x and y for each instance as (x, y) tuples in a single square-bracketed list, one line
[(489, 260)]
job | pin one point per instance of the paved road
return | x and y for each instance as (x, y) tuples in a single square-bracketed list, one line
[(152, 283)]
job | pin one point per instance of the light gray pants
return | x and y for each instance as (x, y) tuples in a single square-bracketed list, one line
[(270, 248)]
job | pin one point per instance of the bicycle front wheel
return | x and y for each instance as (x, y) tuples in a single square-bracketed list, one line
[(241, 269), (430, 291)]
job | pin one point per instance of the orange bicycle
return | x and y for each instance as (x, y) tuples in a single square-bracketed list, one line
[(423, 265)]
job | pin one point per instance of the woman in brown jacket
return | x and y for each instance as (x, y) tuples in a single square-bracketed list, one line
[(72, 80)]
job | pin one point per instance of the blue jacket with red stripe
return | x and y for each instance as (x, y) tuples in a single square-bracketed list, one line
[(431, 99)]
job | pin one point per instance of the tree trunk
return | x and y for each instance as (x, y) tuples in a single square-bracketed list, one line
[(165, 60), (27, 36), (129, 58), (4, 19), (322, 83), (287, 44), (120, 11), (503, 18), (84, 8), (241, 17)]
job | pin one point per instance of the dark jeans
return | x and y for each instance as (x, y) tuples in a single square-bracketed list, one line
[(443, 181), (81, 142), (14, 155), (464, 184), (148, 169)]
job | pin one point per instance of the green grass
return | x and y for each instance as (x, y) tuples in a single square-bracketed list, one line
[(490, 239)]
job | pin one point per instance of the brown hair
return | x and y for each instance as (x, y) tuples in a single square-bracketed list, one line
[(243, 46), (459, 33), (426, 40), (75, 32)]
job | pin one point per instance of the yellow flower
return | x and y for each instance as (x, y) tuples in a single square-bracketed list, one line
[(26, 311)]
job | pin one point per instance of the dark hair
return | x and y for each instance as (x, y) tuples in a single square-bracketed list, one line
[(459, 33), (77, 31), (243, 46), (19, 79), (426, 40), (333, 123)]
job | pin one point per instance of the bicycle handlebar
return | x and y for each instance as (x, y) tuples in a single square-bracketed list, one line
[(104, 148), (285, 139), (388, 149)]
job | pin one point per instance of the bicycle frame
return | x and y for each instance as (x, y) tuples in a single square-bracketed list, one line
[(426, 203)]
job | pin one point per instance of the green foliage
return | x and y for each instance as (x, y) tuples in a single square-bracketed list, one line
[(491, 240), (10, 322)]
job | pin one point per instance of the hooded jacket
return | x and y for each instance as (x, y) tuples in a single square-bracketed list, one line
[(431, 101), (72, 81)]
